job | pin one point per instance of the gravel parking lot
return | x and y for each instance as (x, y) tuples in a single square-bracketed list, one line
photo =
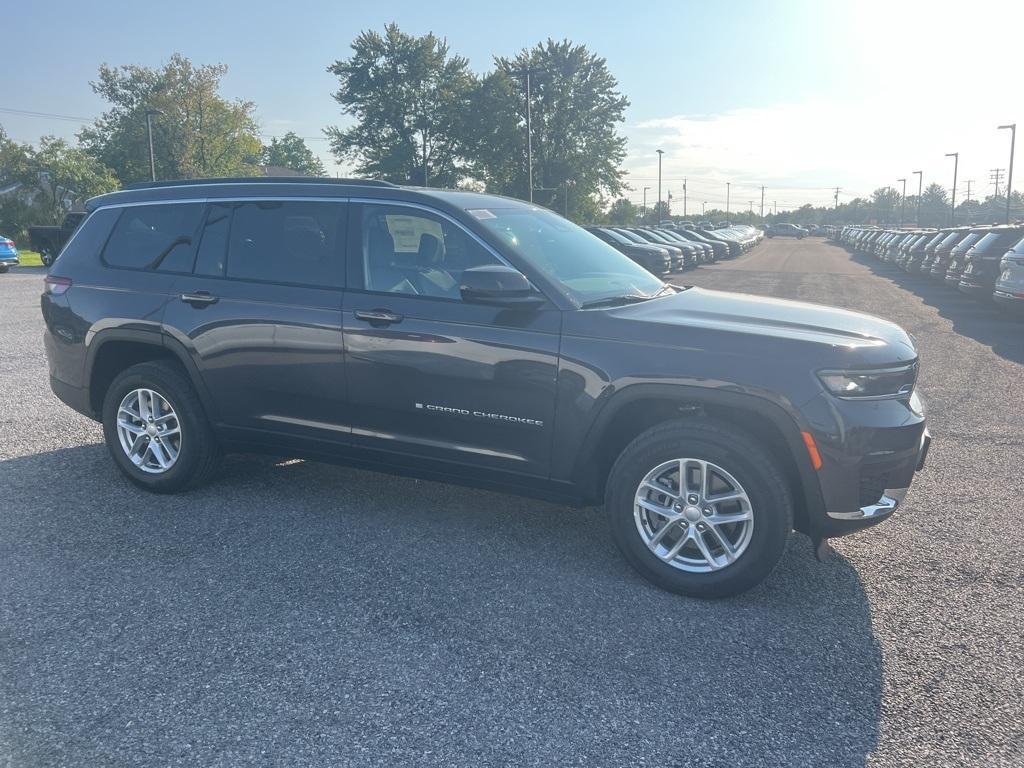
[(293, 613)]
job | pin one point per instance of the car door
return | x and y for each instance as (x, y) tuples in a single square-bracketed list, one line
[(261, 317), (429, 375)]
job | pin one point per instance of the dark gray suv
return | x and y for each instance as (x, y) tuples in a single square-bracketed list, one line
[(482, 340)]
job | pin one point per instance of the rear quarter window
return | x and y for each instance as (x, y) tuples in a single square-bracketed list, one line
[(154, 237), (88, 240)]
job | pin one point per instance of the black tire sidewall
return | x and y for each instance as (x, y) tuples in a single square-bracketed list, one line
[(193, 426), (744, 460)]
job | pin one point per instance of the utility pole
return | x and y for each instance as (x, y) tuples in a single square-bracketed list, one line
[(1009, 178), (969, 182), (426, 174), (703, 205), (903, 200), (660, 153), (728, 189), (837, 198), (528, 72), (996, 176), (751, 211), (762, 202), (952, 206), (643, 210), (150, 114), (684, 198), (920, 180)]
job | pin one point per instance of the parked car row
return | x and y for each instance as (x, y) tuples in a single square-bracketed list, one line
[(986, 262), (664, 250)]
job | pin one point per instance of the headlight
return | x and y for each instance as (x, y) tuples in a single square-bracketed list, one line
[(877, 383)]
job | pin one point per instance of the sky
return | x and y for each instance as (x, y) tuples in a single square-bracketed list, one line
[(798, 96)]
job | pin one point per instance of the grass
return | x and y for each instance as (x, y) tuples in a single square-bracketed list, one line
[(29, 258)]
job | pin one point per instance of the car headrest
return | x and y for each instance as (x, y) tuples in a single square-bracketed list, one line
[(429, 251)]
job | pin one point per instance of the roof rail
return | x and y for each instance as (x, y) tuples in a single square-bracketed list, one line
[(260, 180)]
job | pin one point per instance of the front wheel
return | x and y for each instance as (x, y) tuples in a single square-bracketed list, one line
[(699, 508), (3, 268), (156, 430), (46, 256)]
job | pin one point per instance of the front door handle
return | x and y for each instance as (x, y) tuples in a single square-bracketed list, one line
[(378, 316), (199, 298)]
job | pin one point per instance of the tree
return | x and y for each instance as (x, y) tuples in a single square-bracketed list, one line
[(51, 178), (410, 99), (575, 107), (198, 134), (291, 152), (934, 206), (885, 201), (66, 174), (623, 212)]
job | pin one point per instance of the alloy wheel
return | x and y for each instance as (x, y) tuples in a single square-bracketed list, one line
[(693, 515), (149, 430)]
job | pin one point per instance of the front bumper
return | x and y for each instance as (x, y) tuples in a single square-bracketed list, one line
[(890, 499), (870, 452)]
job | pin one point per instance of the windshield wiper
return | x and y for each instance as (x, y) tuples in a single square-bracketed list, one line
[(611, 301)]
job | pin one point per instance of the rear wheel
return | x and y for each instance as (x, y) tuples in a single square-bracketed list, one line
[(3, 268), (156, 430), (699, 508), (46, 256)]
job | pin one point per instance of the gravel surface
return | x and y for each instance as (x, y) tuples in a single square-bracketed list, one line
[(293, 613)]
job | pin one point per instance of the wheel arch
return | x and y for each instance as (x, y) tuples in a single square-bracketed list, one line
[(638, 407), (113, 350)]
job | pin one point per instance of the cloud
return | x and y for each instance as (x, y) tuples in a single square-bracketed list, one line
[(801, 150)]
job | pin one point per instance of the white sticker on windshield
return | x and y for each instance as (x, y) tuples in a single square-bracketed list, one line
[(481, 213)]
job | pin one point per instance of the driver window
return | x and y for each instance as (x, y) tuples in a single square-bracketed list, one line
[(411, 252)]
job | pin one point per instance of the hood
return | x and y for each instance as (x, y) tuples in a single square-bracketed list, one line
[(757, 317)]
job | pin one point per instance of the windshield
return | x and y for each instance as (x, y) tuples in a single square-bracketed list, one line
[(587, 267)]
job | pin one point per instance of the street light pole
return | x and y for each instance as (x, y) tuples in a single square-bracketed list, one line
[(728, 189), (660, 153), (903, 201), (956, 166), (703, 205), (920, 181), (1009, 177), (150, 113)]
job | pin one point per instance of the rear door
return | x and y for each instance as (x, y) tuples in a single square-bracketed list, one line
[(261, 316)]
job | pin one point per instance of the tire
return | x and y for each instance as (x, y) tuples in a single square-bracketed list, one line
[(46, 257), (769, 502), (198, 454), (3, 268)]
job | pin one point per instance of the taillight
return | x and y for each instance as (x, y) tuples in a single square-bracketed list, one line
[(8, 243), (55, 286)]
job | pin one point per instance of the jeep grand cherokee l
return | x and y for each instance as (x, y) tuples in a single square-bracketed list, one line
[(478, 339)]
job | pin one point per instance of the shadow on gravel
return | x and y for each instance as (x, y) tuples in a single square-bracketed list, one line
[(981, 320), (297, 613)]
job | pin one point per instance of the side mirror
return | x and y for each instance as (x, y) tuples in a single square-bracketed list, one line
[(498, 285)]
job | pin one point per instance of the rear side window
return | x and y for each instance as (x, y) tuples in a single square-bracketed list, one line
[(155, 237), (89, 238), (286, 242)]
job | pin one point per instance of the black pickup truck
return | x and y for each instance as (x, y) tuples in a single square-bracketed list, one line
[(49, 239)]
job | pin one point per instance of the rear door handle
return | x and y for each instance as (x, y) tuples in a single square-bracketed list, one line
[(199, 298), (378, 316)]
